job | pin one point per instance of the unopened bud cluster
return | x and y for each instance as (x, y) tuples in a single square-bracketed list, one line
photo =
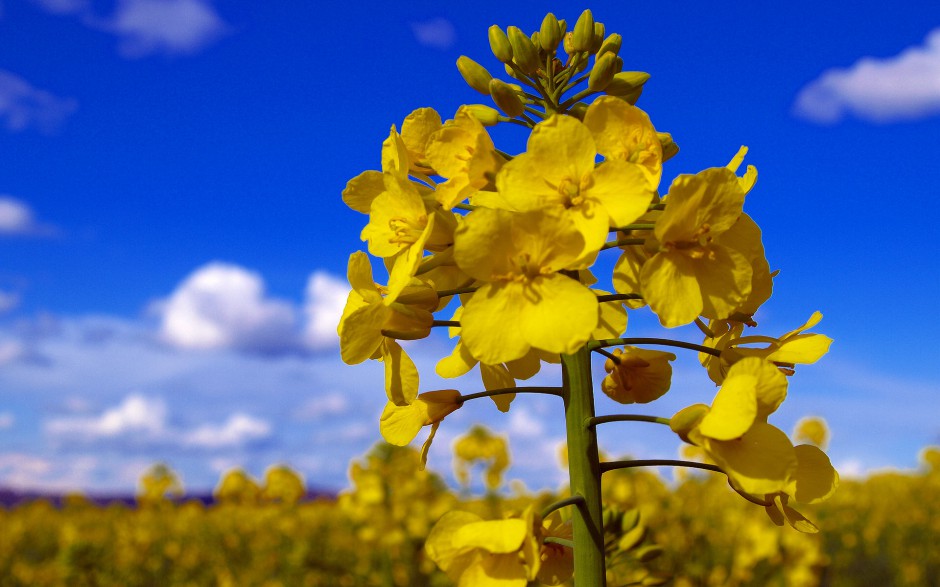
[(549, 82)]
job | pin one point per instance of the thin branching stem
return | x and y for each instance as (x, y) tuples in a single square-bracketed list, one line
[(612, 465), (597, 344)]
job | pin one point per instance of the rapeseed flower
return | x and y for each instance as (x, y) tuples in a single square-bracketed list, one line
[(557, 174), (640, 376), (400, 424), (524, 301)]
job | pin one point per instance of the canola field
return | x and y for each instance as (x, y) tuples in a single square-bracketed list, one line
[(882, 530)]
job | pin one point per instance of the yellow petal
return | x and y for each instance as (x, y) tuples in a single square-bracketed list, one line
[(440, 547), (483, 323), (401, 375), (558, 314), (611, 319), (495, 536), (400, 424), (711, 197), (495, 570), (458, 363), (724, 276), (361, 332), (362, 189), (670, 288), (483, 243), (624, 191), (762, 461), (624, 132), (803, 348), (498, 377), (815, 479), (734, 409)]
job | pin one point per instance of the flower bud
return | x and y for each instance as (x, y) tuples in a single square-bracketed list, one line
[(499, 44), (474, 74), (550, 33), (568, 43), (670, 148), (598, 37), (626, 82), (583, 36), (506, 98), (524, 53), (611, 44), (686, 419), (602, 73), (486, 115)]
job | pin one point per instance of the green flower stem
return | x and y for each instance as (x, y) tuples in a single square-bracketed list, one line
[(627, 418), (453, 292), (611, 465), (579, 96), (656, 207), (615, 297), (576, 500), (557, 540), (528, 120), (469, 207), (584, 470), (507, 390), (445, 323), (609, 355), (639, 226), (537, 113), (597, 344), (623, 241)]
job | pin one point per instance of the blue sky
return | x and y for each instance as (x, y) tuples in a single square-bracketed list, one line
[(173, 243)]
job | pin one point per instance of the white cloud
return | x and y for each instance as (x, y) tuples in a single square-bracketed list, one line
[(438, 33), (238, 430), (17, 218), (320, 407), (325, 300), (223, 306), (11, 350), (902, 87), (138, 415), (164, 26), (523, 424), (23, 105)]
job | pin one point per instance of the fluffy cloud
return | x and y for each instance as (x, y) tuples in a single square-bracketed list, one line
[(223, 306), (164, 26), (23, 106), (145, 27), (238, 430), (438, 33), (137, 415), (17, 218), (902, 87), (141, 420), (325, 300)]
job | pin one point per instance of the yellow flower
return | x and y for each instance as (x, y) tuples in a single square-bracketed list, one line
[(416, 132), (400, 424), (557, 174), (794, 347), (499, 376), (524, 301), (815, 480), (474, 552), (481, 445), (557, 561), (693, 273), (757, 457), (624, 132), (370, 321), (640, 377), (464, 153)]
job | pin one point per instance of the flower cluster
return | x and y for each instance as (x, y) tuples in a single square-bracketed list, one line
[(505, 244)]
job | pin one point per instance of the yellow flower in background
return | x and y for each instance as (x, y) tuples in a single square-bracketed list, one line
[(640, 377), (479, 445), (693, 274), (524, 302), (463, 152), (400, 424), (557, 174), (812, 430), (474, 552)]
